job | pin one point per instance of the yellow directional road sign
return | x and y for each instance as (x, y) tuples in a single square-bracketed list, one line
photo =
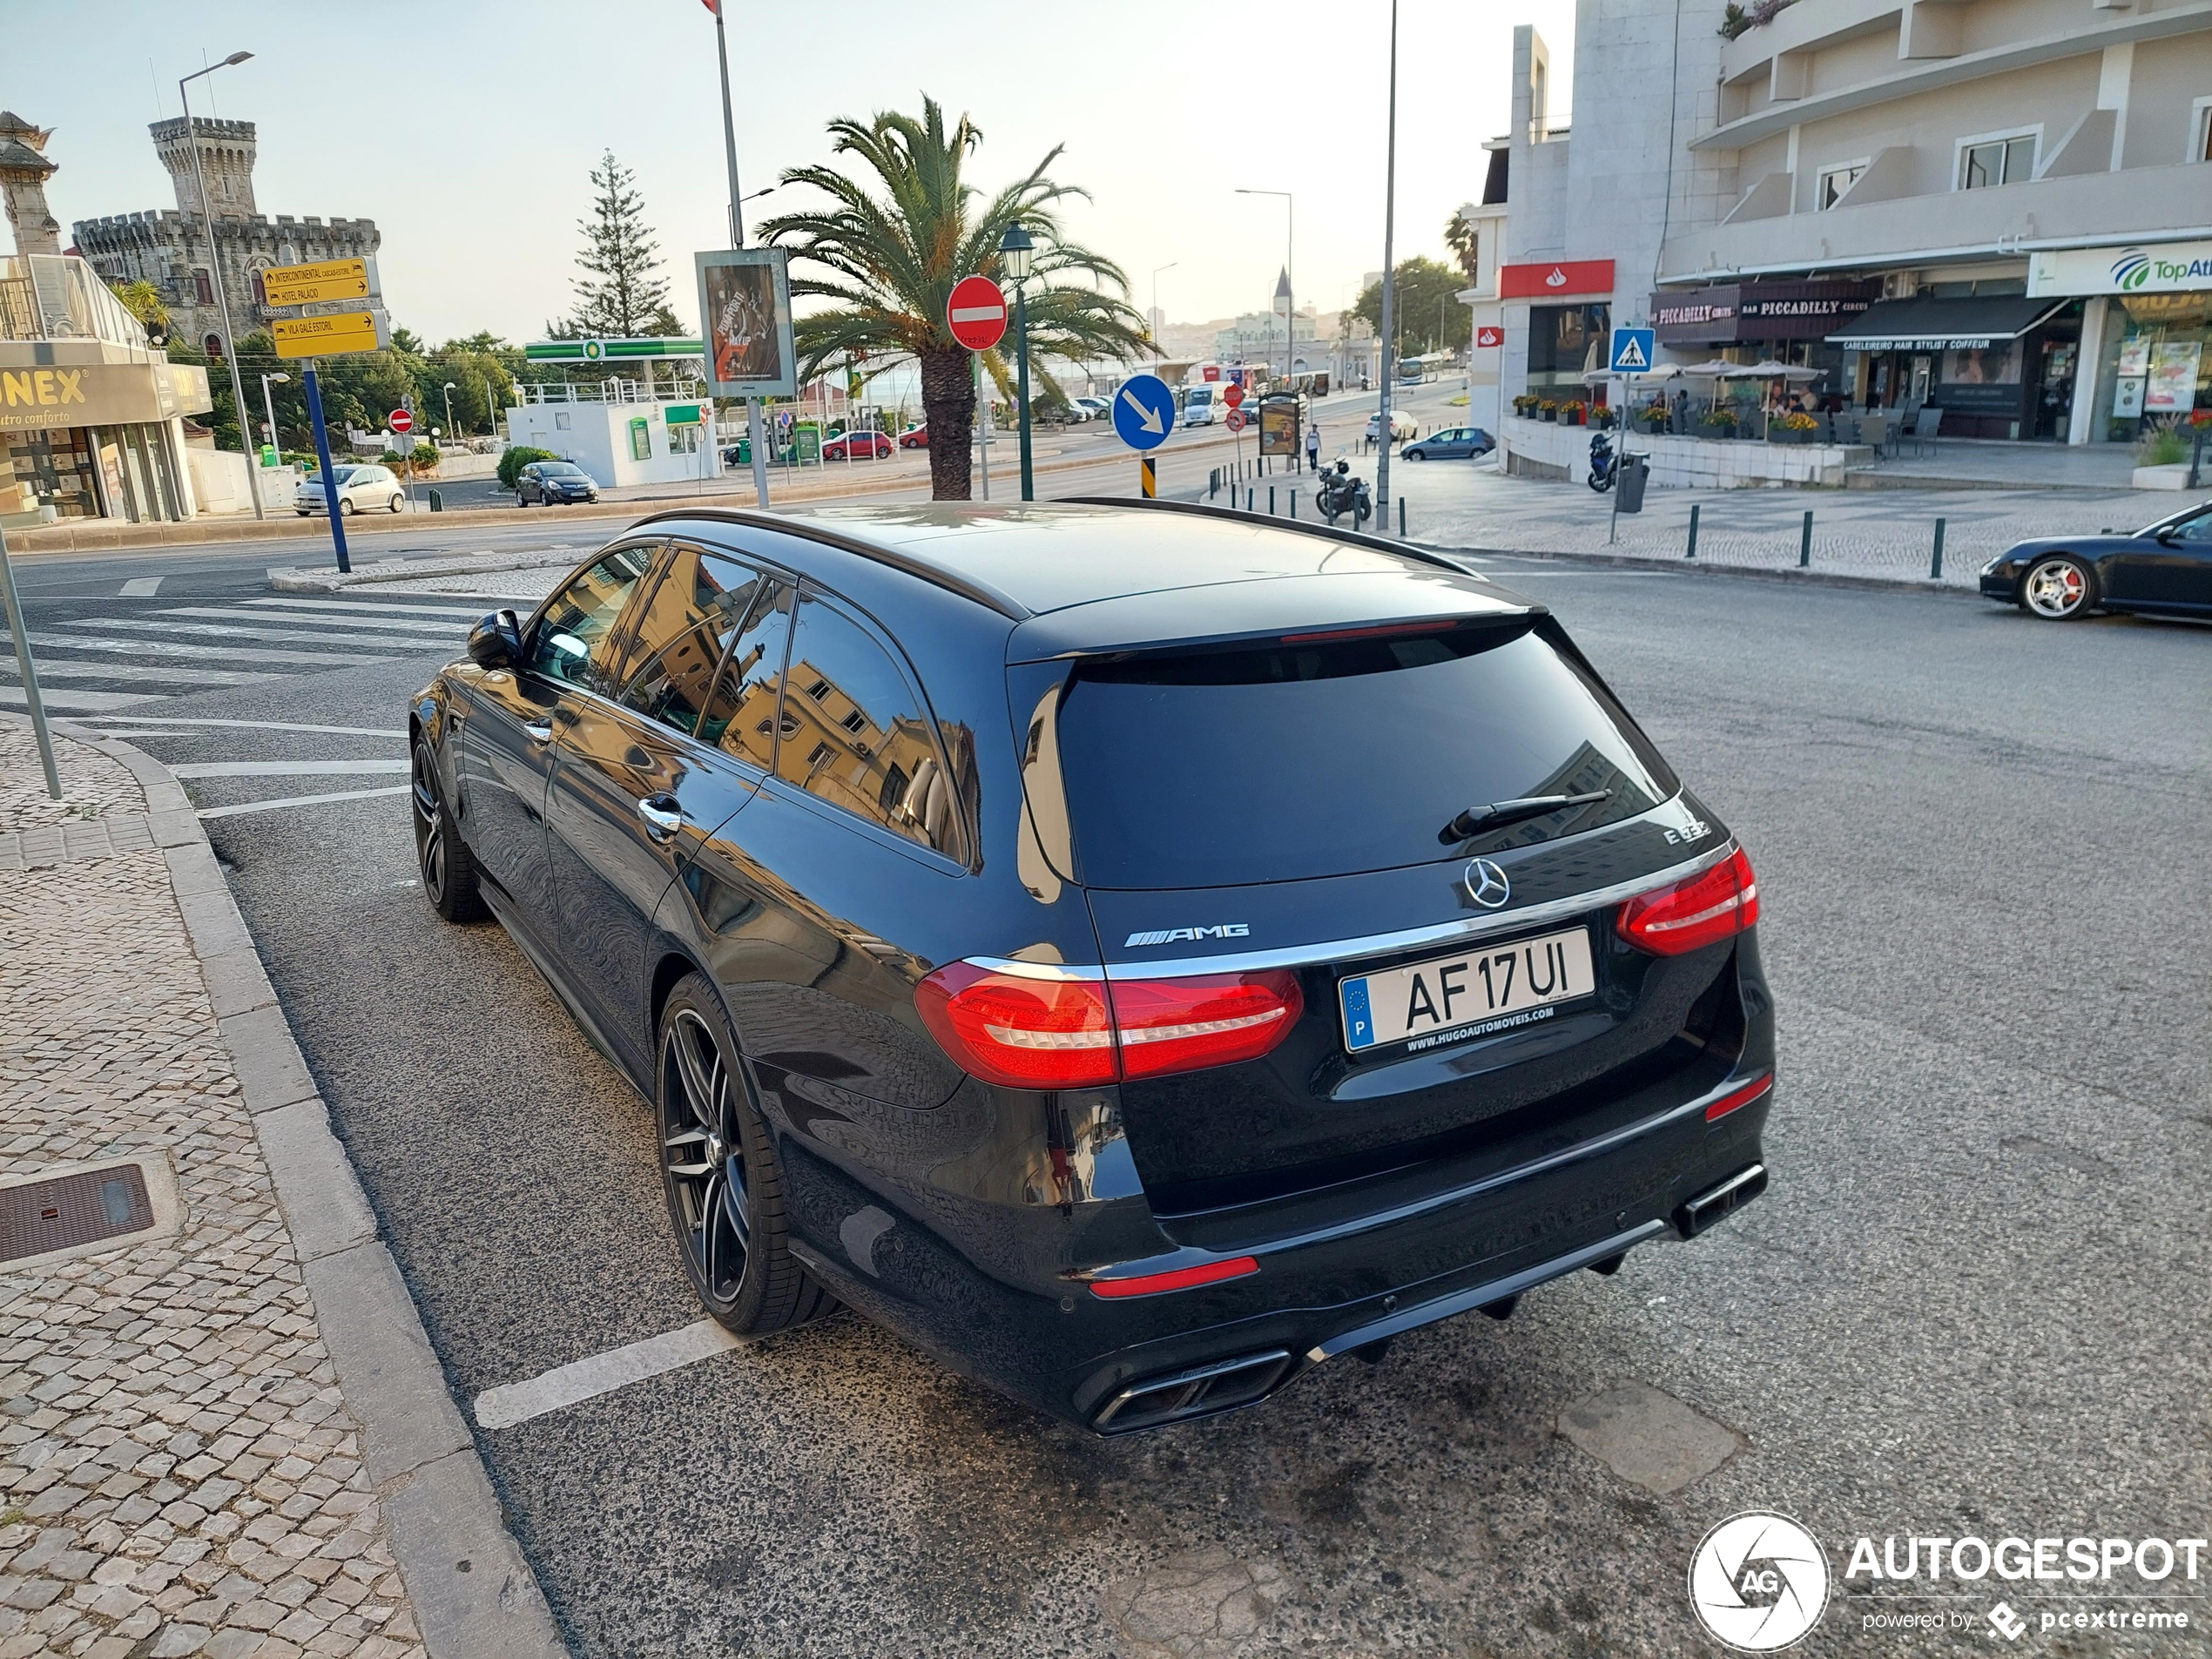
[(327, 336), (307, 285)]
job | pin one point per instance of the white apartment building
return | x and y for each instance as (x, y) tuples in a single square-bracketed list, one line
[(1999, 207)]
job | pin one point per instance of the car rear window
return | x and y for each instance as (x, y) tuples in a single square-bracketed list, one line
[(1314, 756)]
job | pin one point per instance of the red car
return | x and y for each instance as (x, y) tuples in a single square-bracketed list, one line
[(864, 445), (914, 437)]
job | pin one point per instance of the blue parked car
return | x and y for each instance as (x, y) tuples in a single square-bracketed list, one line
[(1453, 443)]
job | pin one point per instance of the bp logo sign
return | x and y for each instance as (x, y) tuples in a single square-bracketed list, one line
[(1758, 1581), (2131, 270), (593, 350)]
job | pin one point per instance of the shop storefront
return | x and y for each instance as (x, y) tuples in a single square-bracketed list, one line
[(2147, 331), (1747, 322), (1998, 365), (1569, 321), (94, 441)]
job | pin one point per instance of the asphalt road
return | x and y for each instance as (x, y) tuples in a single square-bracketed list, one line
[(1973, 1300)]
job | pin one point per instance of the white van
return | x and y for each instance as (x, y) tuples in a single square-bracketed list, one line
[(1201, 404)]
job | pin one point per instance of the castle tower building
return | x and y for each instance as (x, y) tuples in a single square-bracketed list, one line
[(227, 155)]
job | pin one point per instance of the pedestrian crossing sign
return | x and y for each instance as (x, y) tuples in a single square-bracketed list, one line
[(1632, 349)]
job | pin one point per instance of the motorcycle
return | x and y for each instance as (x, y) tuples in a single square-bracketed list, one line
[(1604, 464), (1341, 492)]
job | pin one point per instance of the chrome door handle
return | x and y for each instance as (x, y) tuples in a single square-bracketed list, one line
[(661, 815), (540, 731)]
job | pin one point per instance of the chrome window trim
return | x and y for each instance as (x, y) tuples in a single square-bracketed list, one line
[(1481, 927)]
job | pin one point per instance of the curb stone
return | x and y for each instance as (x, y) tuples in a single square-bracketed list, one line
[(1705, 567), (474, 1594)]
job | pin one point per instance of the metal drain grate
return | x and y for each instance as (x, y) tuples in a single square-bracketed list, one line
[(72, 1210)]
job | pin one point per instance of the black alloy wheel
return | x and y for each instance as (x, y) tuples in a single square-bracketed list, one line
[(719, 1171), (448, 869)]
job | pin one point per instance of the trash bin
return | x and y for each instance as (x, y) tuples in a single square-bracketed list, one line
[(437, 503), (1633, 471)]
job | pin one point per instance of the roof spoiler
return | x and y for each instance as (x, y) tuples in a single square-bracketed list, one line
[(1296, 526)]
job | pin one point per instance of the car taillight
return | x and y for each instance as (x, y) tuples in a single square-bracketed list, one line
[(1711, 906), (1182, 1024), (1010, 1029), (1007, 1028)]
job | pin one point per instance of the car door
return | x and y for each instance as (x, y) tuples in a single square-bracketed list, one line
[(2175, 574), (801, 897), (639, 778), (505, 748)]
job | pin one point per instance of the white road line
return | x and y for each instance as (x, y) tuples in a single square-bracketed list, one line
[(335, 623), (62, 700), (571, 1384), (50, 670), (218, 653), (140, 587), (287, 768), (303, 636), (253, 725), (368, 604), (300, 800)]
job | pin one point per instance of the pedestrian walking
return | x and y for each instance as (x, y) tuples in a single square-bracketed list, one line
[(1313, 448)]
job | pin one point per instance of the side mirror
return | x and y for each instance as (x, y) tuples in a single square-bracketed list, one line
[(2169, 536), (496, 642)]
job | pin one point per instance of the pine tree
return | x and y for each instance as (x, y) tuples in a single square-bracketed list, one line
[(627, 298)]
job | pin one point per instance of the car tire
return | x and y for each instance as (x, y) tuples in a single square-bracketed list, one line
[(720, 1175), (1417, 454), (301, 512), (345, 505), (395, 504), (442, 858), (2057, 588), (521, 500)]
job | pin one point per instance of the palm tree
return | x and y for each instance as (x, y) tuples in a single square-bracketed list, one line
[(1463, 239), (888, 259)]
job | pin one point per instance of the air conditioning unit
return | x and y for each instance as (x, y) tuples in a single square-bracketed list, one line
[(1899, 285)]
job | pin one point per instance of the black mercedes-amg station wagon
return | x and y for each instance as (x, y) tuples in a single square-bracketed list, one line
[(1139, 952)]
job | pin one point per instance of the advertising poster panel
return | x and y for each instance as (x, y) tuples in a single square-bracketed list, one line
[(744, 308)]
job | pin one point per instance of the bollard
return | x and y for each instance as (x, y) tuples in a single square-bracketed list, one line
[(1693, 532), (1805, 543), (1294, 504), (1935, 564), (1270, 501), (438, 501), (1248, 499), (1401, 518), (1213, 483)]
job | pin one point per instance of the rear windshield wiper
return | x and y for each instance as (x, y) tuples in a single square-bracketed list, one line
[(1477, 819)]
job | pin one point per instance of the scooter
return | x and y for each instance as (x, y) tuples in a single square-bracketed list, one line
[(1340, 492), (1603, 463)]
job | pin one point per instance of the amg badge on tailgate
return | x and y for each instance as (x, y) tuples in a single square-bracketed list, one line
[(1168, 936)]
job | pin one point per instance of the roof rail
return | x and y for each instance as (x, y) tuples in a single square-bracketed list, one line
[(1300, 527), (952, 580)]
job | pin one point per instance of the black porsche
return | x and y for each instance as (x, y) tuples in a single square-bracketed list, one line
[(2163, 569), (1138, 953)]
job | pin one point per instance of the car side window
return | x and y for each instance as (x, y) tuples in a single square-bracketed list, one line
[(577, 640), (856, 732), (742, 706), (2198, 528), (700, 605)]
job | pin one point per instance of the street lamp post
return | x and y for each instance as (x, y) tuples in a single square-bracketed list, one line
[(1389, 285), (1157, 269), (1283, 288), (215, 264), (1015, 250), (268, 405), (450, 386)]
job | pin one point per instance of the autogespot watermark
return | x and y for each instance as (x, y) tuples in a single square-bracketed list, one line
[(1759, 1582)]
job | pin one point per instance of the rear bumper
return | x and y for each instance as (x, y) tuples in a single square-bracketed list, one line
[(1135, 1363)]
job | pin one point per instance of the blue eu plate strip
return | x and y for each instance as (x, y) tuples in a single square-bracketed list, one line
[(1358, 1024)]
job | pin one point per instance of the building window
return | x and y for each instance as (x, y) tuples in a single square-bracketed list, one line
[(203, 290), (1989, 162), (561, 419), (2200, 130), (683, 440), (1834, 183)]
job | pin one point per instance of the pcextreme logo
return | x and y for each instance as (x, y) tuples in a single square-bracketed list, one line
[(2131, 270), (1758, 1581)]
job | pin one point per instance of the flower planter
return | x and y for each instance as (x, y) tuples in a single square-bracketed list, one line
[(1785, 434), (1548, 415)]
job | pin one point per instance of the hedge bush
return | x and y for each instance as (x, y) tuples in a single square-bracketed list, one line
[(516, 457)]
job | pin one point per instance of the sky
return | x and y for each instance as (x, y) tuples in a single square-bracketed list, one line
[(467, 131)]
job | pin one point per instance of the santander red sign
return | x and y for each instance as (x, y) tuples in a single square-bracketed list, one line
[(1557, 280)]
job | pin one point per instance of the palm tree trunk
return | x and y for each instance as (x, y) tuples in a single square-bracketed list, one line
[(948, 409)]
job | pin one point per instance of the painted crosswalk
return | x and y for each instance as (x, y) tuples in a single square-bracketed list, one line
[(139, 656)]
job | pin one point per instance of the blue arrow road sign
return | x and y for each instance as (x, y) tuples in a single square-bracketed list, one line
[(1632, 349), (1144, 412)]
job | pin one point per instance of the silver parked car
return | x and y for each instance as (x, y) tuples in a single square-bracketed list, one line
[(361, 487)]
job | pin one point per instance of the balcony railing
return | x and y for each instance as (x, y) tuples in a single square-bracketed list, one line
[(51, 296)]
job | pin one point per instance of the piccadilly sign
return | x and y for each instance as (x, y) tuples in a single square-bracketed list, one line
[(2166, 267)]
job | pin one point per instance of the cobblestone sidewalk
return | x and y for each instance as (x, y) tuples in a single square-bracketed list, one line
[(180, 1470)]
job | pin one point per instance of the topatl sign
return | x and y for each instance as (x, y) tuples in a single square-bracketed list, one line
[(2164, 267)]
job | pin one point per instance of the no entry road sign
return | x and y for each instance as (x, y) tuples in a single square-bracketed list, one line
[(1236, 420), (1144, 412), (400, 420), (976, 312)]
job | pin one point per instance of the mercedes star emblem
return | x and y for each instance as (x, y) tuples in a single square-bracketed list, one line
[(1486, 884)]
